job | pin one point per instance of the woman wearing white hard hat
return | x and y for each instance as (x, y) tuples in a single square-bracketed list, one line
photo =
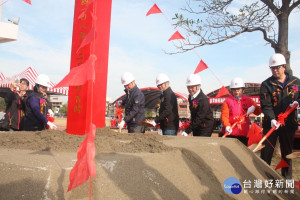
[(134, 104), (36, 106), (168, 111), (277, 93), (234, 108), (202, 120)]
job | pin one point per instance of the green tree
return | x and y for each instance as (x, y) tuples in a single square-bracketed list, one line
[(210, 22), (149, 113), (2, 104), (63, 109)]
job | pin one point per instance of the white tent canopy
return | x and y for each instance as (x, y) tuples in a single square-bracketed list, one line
[(30, 74)]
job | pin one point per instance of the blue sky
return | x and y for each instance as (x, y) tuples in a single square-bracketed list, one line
[(136, 43)]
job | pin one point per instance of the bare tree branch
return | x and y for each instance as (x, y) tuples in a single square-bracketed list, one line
[(209, 22)]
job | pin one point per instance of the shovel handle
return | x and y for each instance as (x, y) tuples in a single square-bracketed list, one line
[(288, 111), (227, 133), (264, 138)]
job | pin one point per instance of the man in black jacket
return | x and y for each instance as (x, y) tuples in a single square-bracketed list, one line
[(202, 120), (168, 111), (277, 93), (134, 105), (15, 104)]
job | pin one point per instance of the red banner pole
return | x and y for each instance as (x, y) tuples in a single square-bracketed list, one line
[(83, 107), (101, 68), (90, 188)]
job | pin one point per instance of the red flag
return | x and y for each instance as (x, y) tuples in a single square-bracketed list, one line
[(297, 184), (85, 165), (282, 164), (79, 75), (176, 36), (223, 91), (254, 134), (155, 9), (27, 1), (201, 66)]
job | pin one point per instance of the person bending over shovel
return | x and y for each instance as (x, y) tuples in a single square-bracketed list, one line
[(134, 105), (168, 110), (236, 110), (277, 93), (202, 120)]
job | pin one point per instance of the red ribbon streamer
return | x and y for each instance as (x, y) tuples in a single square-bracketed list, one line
[(184, 126), (239, 119), (119, 112)]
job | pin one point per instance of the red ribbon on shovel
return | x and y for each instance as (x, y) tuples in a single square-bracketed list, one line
[(119, 112), (239, 120), (281, 121)]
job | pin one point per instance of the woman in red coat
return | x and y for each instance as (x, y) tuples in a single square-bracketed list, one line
[(234, 109)]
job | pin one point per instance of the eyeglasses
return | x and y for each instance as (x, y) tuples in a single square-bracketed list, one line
[(276, 67)]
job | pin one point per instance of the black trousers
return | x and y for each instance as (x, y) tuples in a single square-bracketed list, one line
[(202, 133), (286, 140), (243, 140), (136, 129)]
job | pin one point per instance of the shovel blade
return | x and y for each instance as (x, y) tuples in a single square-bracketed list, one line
[(256, 147), (293, 155), (252, 146)]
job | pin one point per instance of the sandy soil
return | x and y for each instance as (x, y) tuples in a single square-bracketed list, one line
[(131, 146), (106, 141)]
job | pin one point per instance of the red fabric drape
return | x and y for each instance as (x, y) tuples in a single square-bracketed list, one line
[(85, 165), (79, 75), (90, 37)]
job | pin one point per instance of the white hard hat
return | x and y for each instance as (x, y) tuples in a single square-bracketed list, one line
[(127, 78), (237, 83), (193, 79), (161, 78), (43, 80), (277, 59)]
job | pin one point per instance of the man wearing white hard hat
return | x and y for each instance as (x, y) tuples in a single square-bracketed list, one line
[(277, 93), (202, 120), (168, 111), (134, 104), (234, 108), (36, 106)]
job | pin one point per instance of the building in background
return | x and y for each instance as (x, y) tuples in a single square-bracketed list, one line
[(183, 108), (56, 103), (8, 30), (110, 110)]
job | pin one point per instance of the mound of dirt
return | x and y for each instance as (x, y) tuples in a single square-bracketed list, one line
[(36, 165), (106, 141)]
